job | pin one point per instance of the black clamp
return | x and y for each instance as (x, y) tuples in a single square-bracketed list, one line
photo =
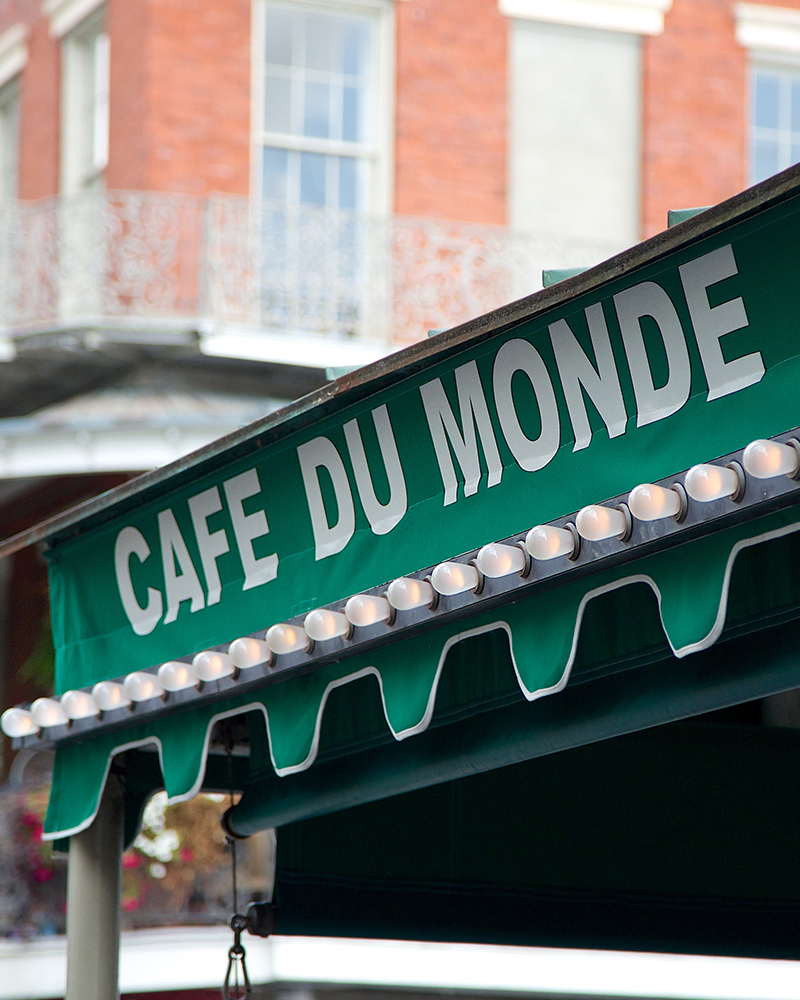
[(259, 921)]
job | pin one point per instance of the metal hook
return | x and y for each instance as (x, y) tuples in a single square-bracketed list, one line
[(236, 958)]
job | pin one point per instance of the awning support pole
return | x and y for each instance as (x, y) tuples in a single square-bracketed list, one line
[(94, 889)]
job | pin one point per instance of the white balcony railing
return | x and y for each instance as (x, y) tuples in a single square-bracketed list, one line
[(173, 261)]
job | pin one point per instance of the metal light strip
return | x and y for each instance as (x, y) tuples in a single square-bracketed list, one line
[(755, 498)]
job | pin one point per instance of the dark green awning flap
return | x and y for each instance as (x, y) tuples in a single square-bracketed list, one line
[(671, 604)]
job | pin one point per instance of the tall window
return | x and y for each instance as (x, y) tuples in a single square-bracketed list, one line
[(9, 139), (317, 134), (775, 121), (85, 105)]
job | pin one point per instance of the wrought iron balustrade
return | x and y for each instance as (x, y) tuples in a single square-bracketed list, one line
[(166, 261)]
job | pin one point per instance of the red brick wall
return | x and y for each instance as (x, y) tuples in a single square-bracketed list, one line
[(451, 110), (179, 96), (695, 111), (197, 96), (180, 104), (39, 115), (127, 24)]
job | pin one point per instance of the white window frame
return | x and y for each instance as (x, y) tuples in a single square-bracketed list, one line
[(784, 66), (75, 176), (13, 52), (65, 15), (771, 36), (635, 17), (13, 59), (9, 164), (380, 151)]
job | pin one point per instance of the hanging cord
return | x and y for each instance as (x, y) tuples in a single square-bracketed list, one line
[(238, 922)]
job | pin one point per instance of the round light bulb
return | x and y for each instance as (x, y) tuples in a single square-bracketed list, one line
[(285, 638), (765, 459), (110, 695), (366, 609), (323, 624), (177, 676), (17, 722), (248, 652), (212, 666), (650, 503), (595, 523), (497, 560), (452, 578), (711, 482), (142, 686), (48, 712), (406, 593), (546, 541), (79, 704)]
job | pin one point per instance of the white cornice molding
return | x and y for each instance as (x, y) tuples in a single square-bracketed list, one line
[(637, 17), (768, 29), (65, 15), (13, 52)]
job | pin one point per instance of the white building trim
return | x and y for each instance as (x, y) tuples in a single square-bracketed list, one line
[(772, 30), (173, 958), (637, 17), (67, 14), (291, 347), (64, 451), (13, 52)]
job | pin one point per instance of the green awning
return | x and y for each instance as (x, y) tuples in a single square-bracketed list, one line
[(680, 351), (618, 622)]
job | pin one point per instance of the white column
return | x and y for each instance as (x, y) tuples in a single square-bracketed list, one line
[(94, 887)]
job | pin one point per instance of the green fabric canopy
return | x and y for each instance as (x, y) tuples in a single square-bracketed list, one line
[(694, 602), (378, 762)]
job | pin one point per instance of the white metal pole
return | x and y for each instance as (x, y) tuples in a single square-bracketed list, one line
[(94, 886)]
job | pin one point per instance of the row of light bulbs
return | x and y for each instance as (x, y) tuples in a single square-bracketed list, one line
[(762, 459)]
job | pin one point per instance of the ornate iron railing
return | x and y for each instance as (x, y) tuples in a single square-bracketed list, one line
[(133, 258)]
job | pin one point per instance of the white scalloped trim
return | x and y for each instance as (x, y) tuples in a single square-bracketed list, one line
[(679, 652)]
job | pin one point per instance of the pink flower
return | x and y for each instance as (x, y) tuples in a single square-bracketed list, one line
[(131, 859), (129, 905), (41, 874), (187, 855)]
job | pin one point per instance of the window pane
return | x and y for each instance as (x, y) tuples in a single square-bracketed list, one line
[(9, 141), (312, 179), (280, 34), (100, 122), (274, 171), (278, 104), (766, 100), (355, 46), (317, 117), (795, 116), (765, 160), (351, 130), (321, 31), (348, 195), (795, 154)]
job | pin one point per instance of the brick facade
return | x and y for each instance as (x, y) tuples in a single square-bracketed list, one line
[(181, 108), (180, 95), (39, 115), (451, 114), (694, 109)]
